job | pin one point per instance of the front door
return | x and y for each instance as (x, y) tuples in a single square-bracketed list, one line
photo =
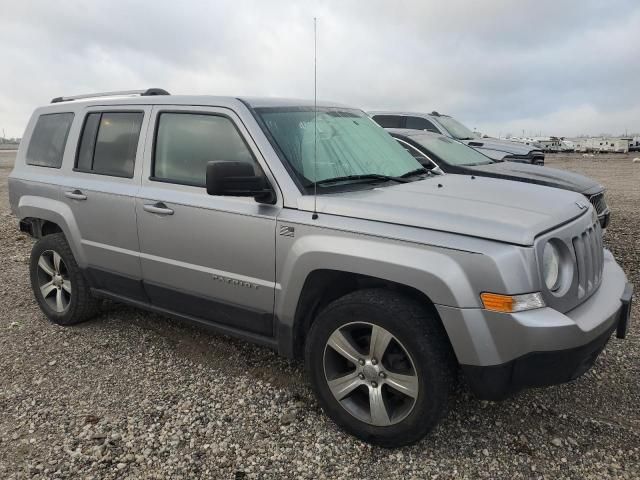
[(209, 257)]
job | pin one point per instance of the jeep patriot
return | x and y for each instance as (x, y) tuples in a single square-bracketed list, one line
[(312, 231)]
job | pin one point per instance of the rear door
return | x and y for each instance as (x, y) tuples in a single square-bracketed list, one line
[(100, 191)]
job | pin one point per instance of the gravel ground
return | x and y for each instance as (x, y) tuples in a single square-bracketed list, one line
[(135, 395)]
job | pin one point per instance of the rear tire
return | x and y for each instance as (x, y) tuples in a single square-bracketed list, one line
[(393, 400), (60, 288)]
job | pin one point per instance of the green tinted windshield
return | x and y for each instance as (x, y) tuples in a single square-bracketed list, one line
[(348, 143), (455, 128), (451, 151)]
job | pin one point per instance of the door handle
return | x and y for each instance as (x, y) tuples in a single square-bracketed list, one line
[(158, 208), (75, 195)]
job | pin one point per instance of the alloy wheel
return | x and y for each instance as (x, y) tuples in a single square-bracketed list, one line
[(370, 373), (53, 280)]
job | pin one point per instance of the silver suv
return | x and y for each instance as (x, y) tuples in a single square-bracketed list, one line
[(312, 231)]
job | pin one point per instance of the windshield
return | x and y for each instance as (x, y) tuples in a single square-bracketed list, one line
[(348, 144), (451, 151), (455, 128)]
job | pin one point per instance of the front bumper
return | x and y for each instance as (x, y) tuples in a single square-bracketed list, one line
[(503, 353), (541, 369)]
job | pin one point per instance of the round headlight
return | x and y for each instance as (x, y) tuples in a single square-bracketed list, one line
[(551, 266)]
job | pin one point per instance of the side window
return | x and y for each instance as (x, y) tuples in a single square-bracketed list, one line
[(186, 142), (49, 139), (419, 123), (388, 121), (109, 143)]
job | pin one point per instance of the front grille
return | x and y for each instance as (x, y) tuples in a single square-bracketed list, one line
[(598, 202), (589, 259)]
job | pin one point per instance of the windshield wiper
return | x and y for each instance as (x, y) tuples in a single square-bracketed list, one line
[(364, 178)]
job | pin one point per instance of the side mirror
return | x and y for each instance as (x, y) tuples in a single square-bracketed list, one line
[(237, 179)]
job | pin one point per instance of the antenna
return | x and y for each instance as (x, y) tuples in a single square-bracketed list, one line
[(315, 119)]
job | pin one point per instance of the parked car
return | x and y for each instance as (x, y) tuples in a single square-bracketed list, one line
[(450, 156), (310, 230), (435, 122)]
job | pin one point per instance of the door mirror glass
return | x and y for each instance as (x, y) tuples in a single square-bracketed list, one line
[(237, 179)]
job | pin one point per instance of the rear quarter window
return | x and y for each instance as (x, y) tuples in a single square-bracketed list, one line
[(49, 139)]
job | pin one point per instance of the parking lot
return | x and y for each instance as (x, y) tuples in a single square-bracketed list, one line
[(134, 395)]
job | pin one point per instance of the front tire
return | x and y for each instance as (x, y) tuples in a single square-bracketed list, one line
[(381, 366), (60, 288)]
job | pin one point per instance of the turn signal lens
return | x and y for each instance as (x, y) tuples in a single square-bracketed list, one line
[(511, 303)]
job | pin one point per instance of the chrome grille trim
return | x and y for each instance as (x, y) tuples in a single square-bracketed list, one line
[(598, 202), (589, 259)]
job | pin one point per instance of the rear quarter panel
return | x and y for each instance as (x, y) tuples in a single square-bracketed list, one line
[(34, 191)]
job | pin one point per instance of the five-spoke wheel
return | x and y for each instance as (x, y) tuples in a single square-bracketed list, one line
[(60, 287), (370, 373), (381, 365), (54, 282)]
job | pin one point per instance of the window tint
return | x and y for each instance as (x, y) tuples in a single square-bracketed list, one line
[(109, 143), (388, 121), (186, 142), (49, 139), (418, 123)]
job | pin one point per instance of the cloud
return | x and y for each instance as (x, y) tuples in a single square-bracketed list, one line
[(550, 66)]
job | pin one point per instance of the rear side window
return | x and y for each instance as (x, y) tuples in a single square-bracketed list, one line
[(109, 143), (388, 121), (48, 140), (186, 142), (419, 123)]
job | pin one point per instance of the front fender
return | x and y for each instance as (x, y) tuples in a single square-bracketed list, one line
[(435, 271)]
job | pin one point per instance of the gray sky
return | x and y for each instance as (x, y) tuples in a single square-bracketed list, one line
[(558, 67)]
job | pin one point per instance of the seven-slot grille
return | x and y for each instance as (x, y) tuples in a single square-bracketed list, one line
[(590, 259), (598, 202)]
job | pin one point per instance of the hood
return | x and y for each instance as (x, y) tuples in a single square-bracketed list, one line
[(505, 146), (551, 177), (512, 212)]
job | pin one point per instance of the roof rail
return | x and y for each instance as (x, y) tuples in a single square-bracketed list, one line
[(142, 93)]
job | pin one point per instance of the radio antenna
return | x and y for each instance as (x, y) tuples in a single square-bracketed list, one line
[(315, 119)]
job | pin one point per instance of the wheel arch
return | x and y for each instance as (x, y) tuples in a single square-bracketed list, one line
[(41, 216), (318, 269), (323, 286)]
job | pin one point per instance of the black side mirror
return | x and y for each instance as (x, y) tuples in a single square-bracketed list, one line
[(237, 179)]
